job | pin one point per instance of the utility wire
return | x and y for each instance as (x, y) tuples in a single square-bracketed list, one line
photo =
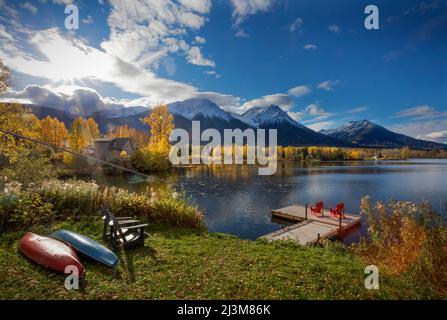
[(17, 135)]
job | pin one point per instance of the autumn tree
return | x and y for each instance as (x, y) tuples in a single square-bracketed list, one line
[(154, 157), (18, 119), (53, 131), (5, 77), (92, 130), (161, 122), (82, 133)]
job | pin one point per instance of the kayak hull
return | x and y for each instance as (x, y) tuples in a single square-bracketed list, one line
[(49, 253), (87, 247)]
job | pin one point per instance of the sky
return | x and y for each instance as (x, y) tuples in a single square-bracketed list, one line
[(313, 58)]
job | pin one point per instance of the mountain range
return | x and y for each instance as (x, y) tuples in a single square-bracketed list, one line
[(290, 132), (368, 134)]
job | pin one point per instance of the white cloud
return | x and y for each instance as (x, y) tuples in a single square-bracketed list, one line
[(88, 20), (213, 73), (83, 100), (437, 136), (63, 2), (358, 110), (200, 40), (68, 59), (423, 128), (322, 125), (142, 36), (334, 28), (225, 101), (296, 25), (242, 34), (310, 47), (420, 112), (328, 85), (244, 8), (143, 32), (29, 6), (282, 100), (297, 116), (314, 109), (195, 57), (317, 113), (201, 6), (4, 34), (299, 91), (74, 99)]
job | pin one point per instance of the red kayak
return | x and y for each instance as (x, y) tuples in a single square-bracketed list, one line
[(49, 253)]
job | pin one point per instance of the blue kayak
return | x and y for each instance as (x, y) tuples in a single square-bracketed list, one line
[(88, 247)]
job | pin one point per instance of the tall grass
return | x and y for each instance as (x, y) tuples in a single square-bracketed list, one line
[(58, 200), (405, 237)]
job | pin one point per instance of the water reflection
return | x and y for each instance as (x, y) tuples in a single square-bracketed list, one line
[(238, 201)]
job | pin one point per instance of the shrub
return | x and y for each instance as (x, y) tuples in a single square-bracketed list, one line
[(19, 208), (29, 169), (59, 199), (406, 237), (150, 160)]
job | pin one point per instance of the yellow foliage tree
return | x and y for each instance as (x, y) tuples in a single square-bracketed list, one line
[(161, 122), (18, 119), (82, 133), (53, 131)]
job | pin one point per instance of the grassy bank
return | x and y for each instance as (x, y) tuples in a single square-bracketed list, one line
[(179, 263), (56, 200)]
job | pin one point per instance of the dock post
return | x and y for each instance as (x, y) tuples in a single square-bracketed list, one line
[(339, 221), (305, 216)]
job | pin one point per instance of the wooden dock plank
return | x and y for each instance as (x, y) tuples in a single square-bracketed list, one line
[(298, 213), (306, 232)]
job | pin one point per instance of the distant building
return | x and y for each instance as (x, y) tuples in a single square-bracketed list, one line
[(109, 149)]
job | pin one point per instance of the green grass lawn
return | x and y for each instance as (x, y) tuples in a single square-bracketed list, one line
[(184, 264)]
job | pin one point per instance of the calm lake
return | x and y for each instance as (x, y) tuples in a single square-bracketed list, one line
[(238, 201)]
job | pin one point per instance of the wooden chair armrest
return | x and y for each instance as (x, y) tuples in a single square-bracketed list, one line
[(125, 222), (140, 226)]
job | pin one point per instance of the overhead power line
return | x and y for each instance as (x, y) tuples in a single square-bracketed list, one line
[(17, 135)]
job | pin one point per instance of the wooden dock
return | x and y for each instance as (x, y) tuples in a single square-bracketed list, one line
[(310, 228)]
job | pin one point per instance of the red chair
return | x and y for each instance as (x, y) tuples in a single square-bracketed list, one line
[(318, 209), (338, 211)]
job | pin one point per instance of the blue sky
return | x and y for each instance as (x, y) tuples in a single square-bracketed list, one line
[(315, 59)]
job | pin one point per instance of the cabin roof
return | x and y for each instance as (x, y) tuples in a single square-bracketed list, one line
[(114, 143)]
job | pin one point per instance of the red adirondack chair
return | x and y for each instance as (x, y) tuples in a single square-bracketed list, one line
[(338, 211), (317, 210)]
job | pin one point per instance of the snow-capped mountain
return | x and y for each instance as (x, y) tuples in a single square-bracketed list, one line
[(369, 134), (350, 128), (290, 132), (267, 116), (192, 108), (121, 112)]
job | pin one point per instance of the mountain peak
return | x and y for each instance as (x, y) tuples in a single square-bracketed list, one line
[(352, 126), (369, 134), (192, 108), (268, 115)]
